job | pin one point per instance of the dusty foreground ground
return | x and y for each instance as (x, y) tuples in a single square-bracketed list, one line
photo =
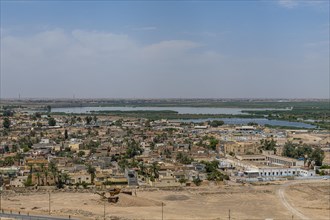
[(312, 200), (308, 200)]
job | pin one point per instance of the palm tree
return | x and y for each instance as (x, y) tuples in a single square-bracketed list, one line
[(197, 181), (179, 156), (134, 163), (46, 176), (38, 176), (42, 168), (155, 169), (53, 169), (182, 180), (18, 158), (91, 170), (65, 178), (31, 168), (142, 168), (123, 163)]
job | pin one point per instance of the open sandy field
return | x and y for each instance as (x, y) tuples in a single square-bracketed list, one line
[(307, 200), (312, 200), (311, 138), (326, 159)]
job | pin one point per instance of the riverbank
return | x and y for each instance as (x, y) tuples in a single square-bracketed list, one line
[(235, 119)]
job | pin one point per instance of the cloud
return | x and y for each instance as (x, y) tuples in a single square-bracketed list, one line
[(324, 44), (171, 45), (204, 33), (288, 3), (102, 41), (148, 28), (58, 63), (295, 3)]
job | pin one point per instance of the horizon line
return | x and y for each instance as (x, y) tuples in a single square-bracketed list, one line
[(156, 98)]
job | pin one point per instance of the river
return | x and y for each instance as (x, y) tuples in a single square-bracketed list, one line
[(260, 121), (180, 110), (197, 110)]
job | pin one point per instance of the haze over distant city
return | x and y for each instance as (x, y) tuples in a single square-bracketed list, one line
[(189, 49)]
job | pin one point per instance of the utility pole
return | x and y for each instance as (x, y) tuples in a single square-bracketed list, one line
[(162, 211), (49, 203), (229, 214), (1, 196), (104, 209)]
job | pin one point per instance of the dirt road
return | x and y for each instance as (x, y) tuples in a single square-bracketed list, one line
[(306, 199), (281, 196)]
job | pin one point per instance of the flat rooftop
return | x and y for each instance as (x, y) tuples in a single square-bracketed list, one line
[(282, 158)]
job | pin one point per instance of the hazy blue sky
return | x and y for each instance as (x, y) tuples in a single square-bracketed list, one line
[(179, 49)]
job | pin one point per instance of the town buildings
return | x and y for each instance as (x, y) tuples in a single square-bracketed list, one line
[(134, 152)]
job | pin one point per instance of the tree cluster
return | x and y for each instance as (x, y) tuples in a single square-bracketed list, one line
[(212, 171), (184, 158), (133, 149), (213, 143), (6, 122), (51, 121), (8, 113), (304, 151), (216, 123), (267, 144)]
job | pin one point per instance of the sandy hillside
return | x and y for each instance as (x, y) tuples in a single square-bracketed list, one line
[(244, 202)]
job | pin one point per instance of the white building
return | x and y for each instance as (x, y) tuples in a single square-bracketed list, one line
[(44, 141), (278, 172), (306, 173), (18, 181)]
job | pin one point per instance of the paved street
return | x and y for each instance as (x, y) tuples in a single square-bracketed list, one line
[(30, 217)]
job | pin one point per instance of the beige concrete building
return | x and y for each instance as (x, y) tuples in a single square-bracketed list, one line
[(239, 148), (80, 177)]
